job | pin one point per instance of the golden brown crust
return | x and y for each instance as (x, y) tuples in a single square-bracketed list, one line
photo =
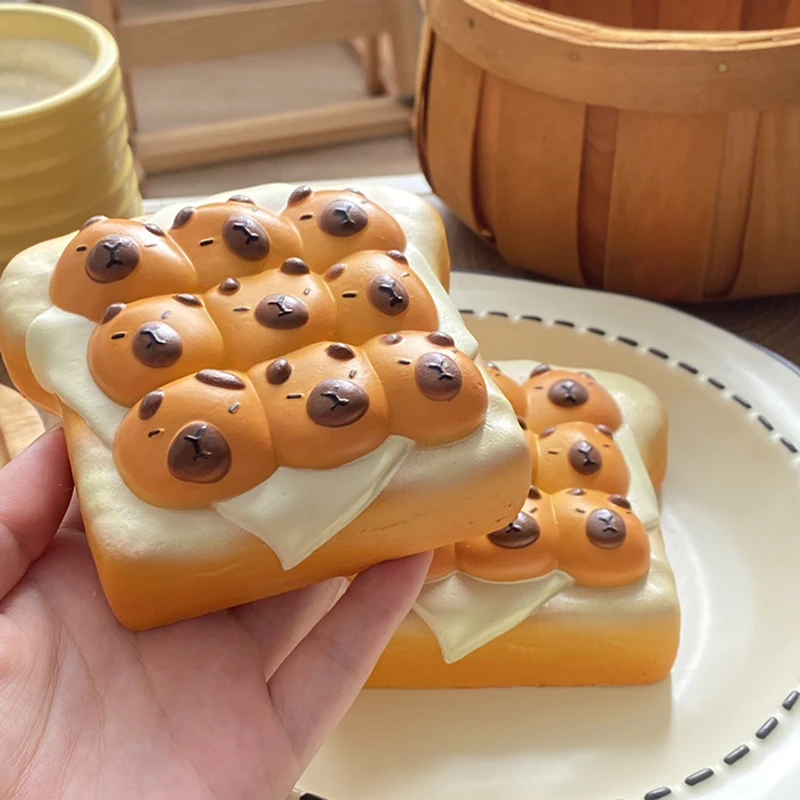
[(228, 240), (378, 293), (118, 261), (188, 582), (200, 439), (145, 344), (436, 393), (334, 224), (579, 646)]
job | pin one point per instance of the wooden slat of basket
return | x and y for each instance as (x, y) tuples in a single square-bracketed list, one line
[(536, 181), (793, 14), (645, 14), (20, 424), (607, 12), (451, 120), (733, 202), (772, 241), (707, 15), (487, 156), (759, 15), (597, 175), (599, 143), (656, 226)]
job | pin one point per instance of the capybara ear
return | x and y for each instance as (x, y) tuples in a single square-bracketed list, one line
[(336, 224), (118, 261), (228, 240), (142, 345)]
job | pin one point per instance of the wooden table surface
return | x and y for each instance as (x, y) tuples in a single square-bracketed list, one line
[(771, 322)]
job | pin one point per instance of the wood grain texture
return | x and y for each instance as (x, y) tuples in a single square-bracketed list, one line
[(599, 147), (20, 424), (535, 185), (667, 72), (733, 202), (707, 15), (597, 173), (453, 100), (645, 13), (404, 38), (770, 262), (161, 151), (487, 153), (793, 14), (607, 12), (763, 14), (663, 200), (228, 30)]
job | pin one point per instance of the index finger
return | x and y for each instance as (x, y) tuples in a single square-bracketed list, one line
[(35, 491)]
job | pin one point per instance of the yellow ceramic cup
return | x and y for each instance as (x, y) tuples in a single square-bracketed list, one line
[(64, 152)]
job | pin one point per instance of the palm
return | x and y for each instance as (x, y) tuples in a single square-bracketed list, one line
[(89, 709)]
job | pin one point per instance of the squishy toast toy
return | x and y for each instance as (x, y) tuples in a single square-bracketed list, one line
[(261, 391), (578, 589)]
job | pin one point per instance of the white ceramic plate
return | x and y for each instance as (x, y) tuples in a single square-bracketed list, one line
[(732, 524)]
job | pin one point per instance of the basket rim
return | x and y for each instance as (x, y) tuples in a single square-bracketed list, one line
[(643, 70), (595, 34)]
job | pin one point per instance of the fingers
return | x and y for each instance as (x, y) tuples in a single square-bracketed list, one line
[(73, 520), (279, 624), (35, 490), (317, 683)]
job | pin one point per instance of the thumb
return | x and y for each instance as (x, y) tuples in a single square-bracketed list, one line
[(35, 491)]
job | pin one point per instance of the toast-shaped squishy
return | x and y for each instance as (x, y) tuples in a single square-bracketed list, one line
[(261, 391), (577, 590)]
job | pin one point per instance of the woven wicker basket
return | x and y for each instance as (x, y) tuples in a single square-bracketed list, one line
[(661, 163)]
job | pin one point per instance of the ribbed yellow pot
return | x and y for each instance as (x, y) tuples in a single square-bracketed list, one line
[(64, 152)]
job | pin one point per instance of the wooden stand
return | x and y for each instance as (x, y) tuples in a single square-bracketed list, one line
[(385, 34), (20, 424)]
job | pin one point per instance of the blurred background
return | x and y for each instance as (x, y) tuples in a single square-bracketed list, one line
[(251, 85)]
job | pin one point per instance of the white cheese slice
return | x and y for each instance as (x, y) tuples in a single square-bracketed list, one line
[(57, 344), (295, 511), (465, 613)]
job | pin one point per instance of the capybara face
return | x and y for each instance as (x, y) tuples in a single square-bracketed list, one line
[(229, 240), (143, 345), (334, 225), (200, 439), (118, 261)]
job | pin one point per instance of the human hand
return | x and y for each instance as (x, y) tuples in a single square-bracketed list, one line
[(231, 705)]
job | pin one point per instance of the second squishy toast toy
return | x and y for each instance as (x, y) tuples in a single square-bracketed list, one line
[(578, 589), (260, 392)]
